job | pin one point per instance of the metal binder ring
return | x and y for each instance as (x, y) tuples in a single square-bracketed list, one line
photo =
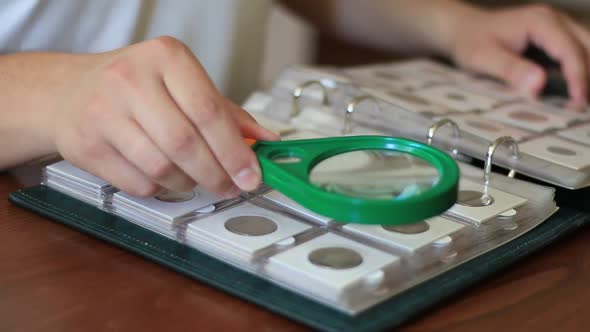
[(298, 92), (351, 107), (441, 123), (505, 140)]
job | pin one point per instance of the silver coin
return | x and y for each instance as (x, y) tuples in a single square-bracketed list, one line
[(473, 198), (176, 197), (561, 151), (387, 76), (251, 225), (338, 258), (409, 98), (455, 96), (415, 228), (528, 116), (482, 125)]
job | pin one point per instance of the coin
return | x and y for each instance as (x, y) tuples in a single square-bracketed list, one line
[(528, 116), (561, 151), (415, 228), (482, 125), (175, 197), (456, 96), (387, 76), (251, 225), (337, 258)]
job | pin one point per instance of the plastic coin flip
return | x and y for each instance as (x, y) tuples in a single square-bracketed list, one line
[(362, 179)]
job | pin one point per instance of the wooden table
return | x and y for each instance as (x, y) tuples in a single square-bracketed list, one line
[(53, 278)]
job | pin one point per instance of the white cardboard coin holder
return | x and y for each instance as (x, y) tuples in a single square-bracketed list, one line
[(384, 77), (560, 151), (499, 202), (527, 116), (168, 217), (65, 177), (408, 101), (499, 91), (351, 286), (579, 134), (281, 200), (409, 239), (199, 200), (456, 99), (215, 234), (487, 128), (326, 123)]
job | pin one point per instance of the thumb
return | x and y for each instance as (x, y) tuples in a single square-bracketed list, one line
[(501, 63)]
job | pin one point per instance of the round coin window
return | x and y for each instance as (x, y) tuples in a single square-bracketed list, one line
[(175, 197), (473, 198), (482, 126), (338, 258), (528, 116), (387, 76), (251, 225), (561, 151), (409, 98), (416, 228), (455, 96)]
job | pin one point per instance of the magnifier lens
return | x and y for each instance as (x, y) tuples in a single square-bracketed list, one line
[(375, 174), (362, 179)]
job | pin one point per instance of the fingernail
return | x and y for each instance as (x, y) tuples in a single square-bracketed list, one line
[(529, 82), (248, 179), (232, 192)]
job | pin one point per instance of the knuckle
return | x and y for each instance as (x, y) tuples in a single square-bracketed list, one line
[(470, 56), (206, 111), (93, 149), (182, 142), (97, 109), (542, 11), (160, 169), (120, 73), (168, 47)]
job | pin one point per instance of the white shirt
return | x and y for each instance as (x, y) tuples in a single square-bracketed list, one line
[(226, 35)]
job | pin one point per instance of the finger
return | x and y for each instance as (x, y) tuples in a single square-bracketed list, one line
[(131, 141), (578, 30), (159, 116), (552, 35), (105, 162), (495, 60), (583, 36), (249, 127), (209, 112)]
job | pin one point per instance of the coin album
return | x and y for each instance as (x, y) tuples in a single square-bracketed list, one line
[(354, 268)]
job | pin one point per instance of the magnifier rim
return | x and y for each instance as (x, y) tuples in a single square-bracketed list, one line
[(293, 179)]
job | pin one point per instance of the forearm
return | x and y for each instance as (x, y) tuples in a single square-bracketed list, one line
[(32, 87), (408, 27)]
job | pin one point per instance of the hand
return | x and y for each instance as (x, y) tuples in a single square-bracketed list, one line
[(147, 118), (491, 42)]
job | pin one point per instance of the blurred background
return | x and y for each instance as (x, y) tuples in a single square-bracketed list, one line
[(309, 47)]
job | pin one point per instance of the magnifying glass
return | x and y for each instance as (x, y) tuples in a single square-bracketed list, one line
[(362, 179)]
